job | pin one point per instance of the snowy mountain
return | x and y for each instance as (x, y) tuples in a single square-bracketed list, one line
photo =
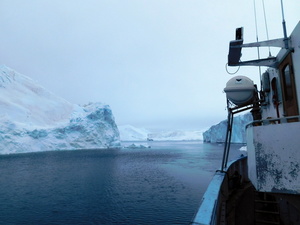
[(217, 133), (177, 135), (34, 119), (131, 133)]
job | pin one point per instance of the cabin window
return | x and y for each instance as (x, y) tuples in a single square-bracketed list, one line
[(288, 87), (275, 91), (287, 83)]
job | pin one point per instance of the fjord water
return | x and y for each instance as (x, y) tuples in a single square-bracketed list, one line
[(159, 185)]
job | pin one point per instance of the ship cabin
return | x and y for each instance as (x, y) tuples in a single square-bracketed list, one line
[(273, 138), (264, 187)]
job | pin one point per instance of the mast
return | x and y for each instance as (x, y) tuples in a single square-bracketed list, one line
[(285, 39)]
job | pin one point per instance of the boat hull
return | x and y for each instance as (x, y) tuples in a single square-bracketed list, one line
[(212, 208), (231, 198)]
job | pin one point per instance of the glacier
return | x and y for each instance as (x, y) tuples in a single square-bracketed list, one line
[(176, 135), (131, 133), (217, 133), (34, 119)]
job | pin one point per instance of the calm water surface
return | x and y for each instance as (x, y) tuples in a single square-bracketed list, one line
[(158, 185)]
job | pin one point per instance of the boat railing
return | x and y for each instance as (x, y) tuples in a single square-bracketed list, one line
[(269, 121), (222, 184)]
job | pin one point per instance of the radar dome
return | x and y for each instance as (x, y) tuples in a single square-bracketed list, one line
[(240, 90)]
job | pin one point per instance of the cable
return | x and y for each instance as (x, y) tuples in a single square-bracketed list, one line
[(226, 65), (266, 25), (258, 53)]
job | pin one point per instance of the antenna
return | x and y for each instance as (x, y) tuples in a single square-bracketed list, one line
[(286, 43), (258, 52)]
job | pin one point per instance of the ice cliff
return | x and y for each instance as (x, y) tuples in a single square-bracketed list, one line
[(217, 133), (34, 119)]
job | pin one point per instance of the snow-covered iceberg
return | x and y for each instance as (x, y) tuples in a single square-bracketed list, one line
[(217, 133), (131, 133), (176, 135), (34, 119), (137, 146)]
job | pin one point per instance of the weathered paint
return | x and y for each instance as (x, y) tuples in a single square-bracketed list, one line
[(274, 157)]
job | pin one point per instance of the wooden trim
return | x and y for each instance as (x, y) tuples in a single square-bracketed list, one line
[(289, 97)]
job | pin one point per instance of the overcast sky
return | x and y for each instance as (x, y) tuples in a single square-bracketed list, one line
[(157, 63)]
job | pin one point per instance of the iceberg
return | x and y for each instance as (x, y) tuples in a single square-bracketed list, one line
[(33, 119), (137, 146), (217, 133), (176, 135), (131, 133)]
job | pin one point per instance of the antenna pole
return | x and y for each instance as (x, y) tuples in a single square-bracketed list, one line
[(258, 52), (286, 40)]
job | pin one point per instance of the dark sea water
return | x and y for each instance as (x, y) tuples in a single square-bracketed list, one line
[(159, 185)]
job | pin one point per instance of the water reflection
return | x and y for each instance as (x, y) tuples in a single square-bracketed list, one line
[(158, 185)]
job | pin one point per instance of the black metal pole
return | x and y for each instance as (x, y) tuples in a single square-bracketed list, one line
[(224, 163), (229, 139)]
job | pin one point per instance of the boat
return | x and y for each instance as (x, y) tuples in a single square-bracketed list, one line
[(264, 186)]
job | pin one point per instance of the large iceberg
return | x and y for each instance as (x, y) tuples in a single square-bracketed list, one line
[(33, 119), (217, 133)]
